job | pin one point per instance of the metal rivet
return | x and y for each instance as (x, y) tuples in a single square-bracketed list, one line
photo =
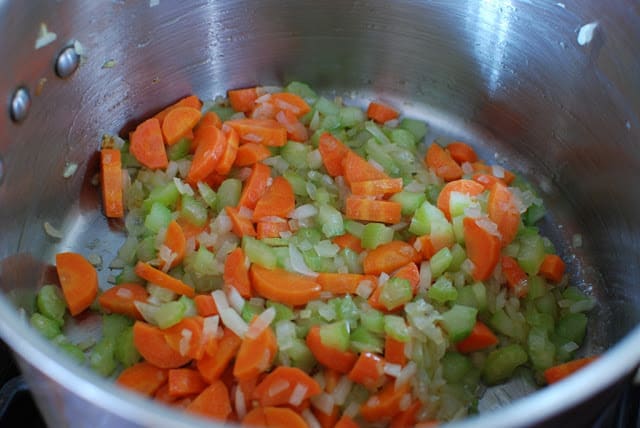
[(67, 62), (20, 104)]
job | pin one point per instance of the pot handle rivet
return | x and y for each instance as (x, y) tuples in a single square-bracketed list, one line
[(67, 62), (20, 104)]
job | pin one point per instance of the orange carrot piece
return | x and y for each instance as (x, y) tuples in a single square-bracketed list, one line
[(481, 337), (211, 366), (482, 168), (327, 420), (368, 370), (386, 186), (213, 402), (340, 361), (230, 151), (483, 249), (236, 272), (255, 355), (243, 99), (487, 180), (461, 152), (251, 153), (349, 241), (151, 344), (515, 275), (190, 101), (290, 378), (389, 257), (552, 268), (373, 210), (343, 283), (561, 371), (183, 382), (427, 424), (120, 299), (356, 168), (442, 163), (346, 422), (205, 305), (210, 118), (332, 152), (111, 183), (178, 123), (380, 112), (255, 186), (394, 351), (503, 211), (175, 240), (147, 145), (282, 286), (271, 417), (426, 246), (78, 279), (289, 102), (406, 418), (175, 338), (162, 395), (467, 187), (159, 278), (143, 378), (241, 226), (271, 229), (385, 404), (264, 131), (409, 272), (278, 200), (296, 131), (210, 145)]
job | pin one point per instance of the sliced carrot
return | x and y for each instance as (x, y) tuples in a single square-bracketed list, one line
[(190, 230), (296, 131), (289, 102), (349, 241), (343, 283), (255, 186), (389, 257), (373, 210), (271, 229), (426, 246), (385, 186), (406, 418), (213, 402), (481, 337), (332, 152), (144, 378), (345, 421), (380, 112), (327, 420), (255, 355), (162, 395), (230, 151), (183, 382), (461, 152), (251, 153), (277, 201), (264, 131), (111, 183), (385, 404), (120, 299), (466, 187), (503, 211), (356, 169), (277, 388), (175, 241), (243, 99), (78, 279), (409, 272), (271, 417), (205, 305), (552, 268), (561, 371), (368, 370), (506, 177), (236, 273), (515, 275), (483, 249), (282, 286), (147, 145), (190, 101), (442, 163), (211, 366), (179, 122), (394, 351), (210, 118), (241, 226), (487, 180), (161, 279), (151, 344), (190, 346), (210, 145), (340, 361)]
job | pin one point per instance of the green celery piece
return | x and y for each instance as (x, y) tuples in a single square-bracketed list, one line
[(146, 249), (377, 152), (417, 127), (403, 138), (308, 234), (202, 263), (298, 183), (459, 321), (125, 350), (506, 325), (363, 340), (128, 274), (547, 304), (395, 292), (114, 324), (537, 287), (283, 312), (208, 195), (102, 358), (351, 260), (166, 195), (395, 327), (542, 351), (179, 150), (326, 107), (190, 309), (502, 362), (295, 154), (458, 256), (301, 356), (481, 295), (440, 262), (377, 134), (410, 201), (170, 314), (531, 253), (194, 211), (224, 113), (330, 122), (303, 90), (458, 229), (282, 257), (73, 351), (442, 290), (570, 293), (50, 303), (249, 311), (455, 367), (572, 327), (376, 234), (335, 335), (354, 227), (424, 218), (259, 252), (372, 320), (330, 220), (458, 202), (127, 252), (534, 214), (45, 325), (467, 297), (351, 116), (158, 218), (229, 193), (346, 309)]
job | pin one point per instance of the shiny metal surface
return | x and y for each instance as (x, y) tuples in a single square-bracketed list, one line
[(67, 62), (19, 104), (508, 76)]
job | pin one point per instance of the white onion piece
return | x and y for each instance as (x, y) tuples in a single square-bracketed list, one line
[(310, 419), (341, 391), (303, 211), (297, 262), (221, 299), (233, 321), (323, 402), (298, 394), (235, 300)]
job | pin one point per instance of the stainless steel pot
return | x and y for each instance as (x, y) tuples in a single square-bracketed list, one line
[(516, 77)]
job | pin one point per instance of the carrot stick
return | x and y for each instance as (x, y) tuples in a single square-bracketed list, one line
[(278, 200), (255, 355), (210, 145), (251, 153), (271, 417), (78, 279), (236, 273), (230, 151), (373, 210), (346, 422), (282, 286), (380, 112), (483, 249), (368, 370), (190, 101), (561, 371), (515, 275), (211, 366), (271, 229), (394, 351), (389, 257), (481, 337), (343, 283), (213, 402), (327, 420), (277, 387), (178, 122), (162, 395), (120, 299), (467, 187), (349, 241), (426, 246), (255, 186), (289, 102), (296, 131), (183, 382), (205, 305), (111, 181), (175, 240), (159, 278), (243, 99), (332, 152), (151, 344), (461, 152), (406, 418), (264, 131), (143, 378), (442, 163), (241, 226), (329, 357), (147, 145), (409, 272), (503, 211), (210, 118), (385, 404), (552, 268), (386, 186), (356, 168), (190, 346)]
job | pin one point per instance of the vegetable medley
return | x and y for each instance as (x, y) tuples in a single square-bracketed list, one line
[(291, 260)]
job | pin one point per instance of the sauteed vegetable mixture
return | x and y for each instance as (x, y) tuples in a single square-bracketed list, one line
[(292, 260)]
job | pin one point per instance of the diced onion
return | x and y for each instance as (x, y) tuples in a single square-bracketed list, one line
[(376, 165), (364, 289), (273, 219), (405, 402), (341, 391), (167, 256), (489, 226), (220, 299), (147, 311), (310, 419), (498, 171), (323, 402), (52, 231), (406, 374), (252, 137), (185, 340), (233, 321), (298, 394), (236, 301), (241, 405), (183, 188), (467, 267), (303, 211), (352, 410), (70, 168), (384, 277), (263, 98), (45, 36), (425, 276), (210, 327), (125, 293), (297, 262), (392, 370), (261, 323)]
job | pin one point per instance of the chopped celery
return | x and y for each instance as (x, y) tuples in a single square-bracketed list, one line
[(330, 122), (508, 326), (433, 191), (303, 90), (403, 138), (224, 113), (102, 359), (166, 195), (202, 262), (542, 351), (395, 292), (179, 150), (128, 274), (45, 326), (114, 324), (301, 356), (298, 183), (533, 214), (259, 252), (458, 202), (351, 260), (531, 252), (354, 227), (377, 134), (410, 201), (376, 152), (346, 309), (208, 195), (309, 235), (327, 107), (169, 314), (442, 290), (127, 252), (572, 327), (458, 256), (481, 295), (158, 218), (467, 297), (125, 350), (249, 311), (190, 309), (417, 127), (547, 304), (283, 312), (146, 249), (283, 260), (455, 367), (330, 220), (229, 193), (458, 229), (363, 340), (570, 293), (351, 116), (537, 287), (51, 303), (459, 321), (73, 351), (295, 154), (335, 335), (440, 262), (542, 321), (395, 327), (502, 362), (194, 211), (424, 218), (375, 234), (317, 263), (372, 320)]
